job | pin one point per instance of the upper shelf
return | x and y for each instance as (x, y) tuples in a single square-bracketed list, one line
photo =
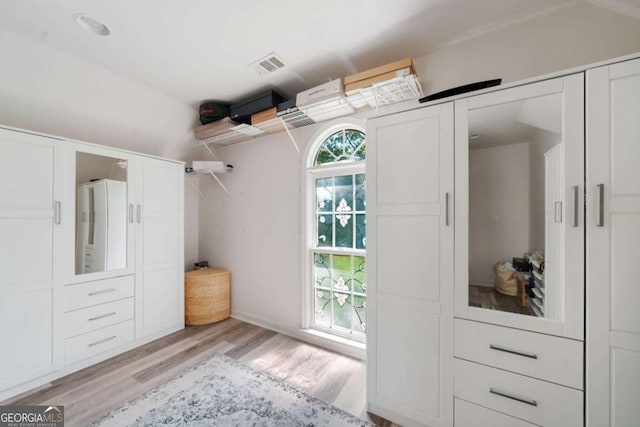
[(389, 92)]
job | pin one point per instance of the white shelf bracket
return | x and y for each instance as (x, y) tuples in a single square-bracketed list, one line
[(205, 145), (195, 187), (293, 141), (219, 182)]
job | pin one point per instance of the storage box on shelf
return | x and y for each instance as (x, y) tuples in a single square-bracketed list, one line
[(268, 122), (383, 73)]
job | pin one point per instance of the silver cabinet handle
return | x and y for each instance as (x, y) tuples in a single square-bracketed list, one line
[(446, 213), (57, 212), (84, 217), (576, 203), (102, 341), (600, 194), (558, 212), (516, 352), (131, 213), (512, 397), (104, 291), (102, 317), (138, 214)]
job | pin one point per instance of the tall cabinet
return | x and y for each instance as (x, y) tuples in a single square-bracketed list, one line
[(30, 243), (544, 328), (91, 256), (613, 244), (410, 273)]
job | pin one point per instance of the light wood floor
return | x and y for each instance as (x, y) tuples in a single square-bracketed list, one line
[(92, 392)]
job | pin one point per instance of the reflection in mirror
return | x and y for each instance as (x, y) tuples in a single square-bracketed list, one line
[(516, 206), (101, 213)]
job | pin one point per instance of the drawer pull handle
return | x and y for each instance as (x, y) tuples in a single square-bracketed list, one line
[(512, 397), (104, 291), (102, 341), (102, 317), (517, 353)]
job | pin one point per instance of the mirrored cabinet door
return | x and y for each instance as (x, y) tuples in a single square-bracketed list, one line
[(519, 207), (102, 183)]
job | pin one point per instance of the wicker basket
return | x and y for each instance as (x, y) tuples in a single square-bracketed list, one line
[(206, 296)]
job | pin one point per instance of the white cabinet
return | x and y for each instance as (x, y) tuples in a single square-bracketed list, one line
[(159, 246), (82, 282), (613, 245), (410, 272), (30, 230)]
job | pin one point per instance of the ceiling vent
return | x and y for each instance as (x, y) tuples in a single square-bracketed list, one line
[(270, 63)]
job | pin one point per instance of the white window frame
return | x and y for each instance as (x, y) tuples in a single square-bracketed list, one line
[(311, 173)]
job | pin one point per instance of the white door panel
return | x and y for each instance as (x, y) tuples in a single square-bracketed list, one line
[(613, 245), (410, 281)]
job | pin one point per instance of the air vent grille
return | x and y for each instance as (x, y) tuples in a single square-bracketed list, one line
[(270, 63)]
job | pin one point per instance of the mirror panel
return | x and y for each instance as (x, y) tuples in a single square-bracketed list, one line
[(516, 206), (101, 213)]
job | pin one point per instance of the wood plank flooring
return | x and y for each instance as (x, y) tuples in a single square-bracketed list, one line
[(92, 392), (488, 297)]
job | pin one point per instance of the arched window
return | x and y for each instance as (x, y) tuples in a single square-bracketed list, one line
[(336, 237)]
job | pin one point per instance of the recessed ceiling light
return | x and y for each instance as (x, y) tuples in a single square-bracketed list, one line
[(91, 25)]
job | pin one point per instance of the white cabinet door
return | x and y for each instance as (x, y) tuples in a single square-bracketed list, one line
[(159, 246), (613, 245), (410, 275), (30, 227)]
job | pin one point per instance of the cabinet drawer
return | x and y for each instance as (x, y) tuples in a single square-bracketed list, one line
[(96, 317), (96, 342), (93, 293), (469, 415), (548, 358), (532, 400)]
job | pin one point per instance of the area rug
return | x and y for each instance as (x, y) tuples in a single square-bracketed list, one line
[(223, 392)]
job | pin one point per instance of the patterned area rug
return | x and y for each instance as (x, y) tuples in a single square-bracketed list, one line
[(223, 392)]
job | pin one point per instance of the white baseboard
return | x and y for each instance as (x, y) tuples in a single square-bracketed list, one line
[(337, 344)]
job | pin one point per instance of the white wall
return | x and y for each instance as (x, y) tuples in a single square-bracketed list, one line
[(569, 37), (498, 208), (256, 231)]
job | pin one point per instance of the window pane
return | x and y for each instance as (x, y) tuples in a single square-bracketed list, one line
[(343, 310), (360, 310), (361, 231), (324, 194), (344, 193), (325, 230), (342, 273), (322, 307), (361, 200), (322, 270), (359, 274), (344, 230)]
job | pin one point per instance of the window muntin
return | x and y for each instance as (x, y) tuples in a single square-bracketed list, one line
[(338, 238)]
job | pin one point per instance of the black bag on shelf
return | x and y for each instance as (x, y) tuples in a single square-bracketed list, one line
[(212, 111)]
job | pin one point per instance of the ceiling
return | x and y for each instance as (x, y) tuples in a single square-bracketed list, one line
[(515, 122), (194, 50)]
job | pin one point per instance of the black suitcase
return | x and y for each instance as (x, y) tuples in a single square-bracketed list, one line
[(242, 111), (212, 111)]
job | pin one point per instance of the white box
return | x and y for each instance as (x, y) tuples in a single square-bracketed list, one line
[(325, 92)]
